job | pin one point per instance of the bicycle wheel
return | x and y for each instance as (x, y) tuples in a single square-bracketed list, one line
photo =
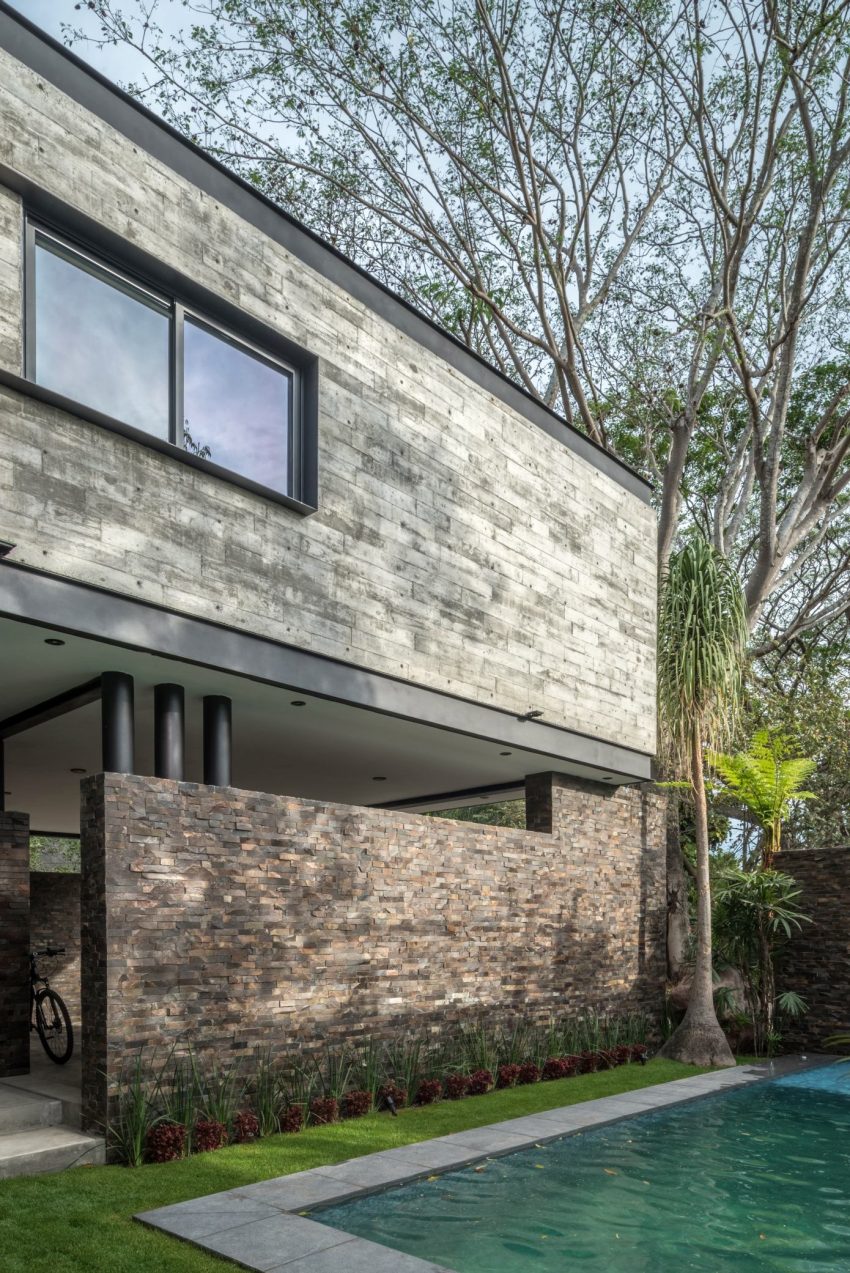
[(54, 1026)]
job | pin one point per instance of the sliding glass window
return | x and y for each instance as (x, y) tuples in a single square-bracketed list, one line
[(108, 342)]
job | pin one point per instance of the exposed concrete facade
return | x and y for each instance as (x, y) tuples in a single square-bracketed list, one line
[(236, 919), (456, 544)]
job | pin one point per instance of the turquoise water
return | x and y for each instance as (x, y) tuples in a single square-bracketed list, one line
[(751, 1180)]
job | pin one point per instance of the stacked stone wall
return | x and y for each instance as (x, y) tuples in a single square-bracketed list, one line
[(55, 921), (817, 962), (14, 943), (235, 920)]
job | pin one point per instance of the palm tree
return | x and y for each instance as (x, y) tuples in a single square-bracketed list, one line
[(702, 638), (766, 782)]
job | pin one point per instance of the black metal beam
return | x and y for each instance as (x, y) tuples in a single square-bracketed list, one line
[(50, 708), (217, 740)]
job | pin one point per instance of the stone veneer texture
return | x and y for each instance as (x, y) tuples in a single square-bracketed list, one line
[(817, 963), (55, 921), (14, 943), (237, 919)]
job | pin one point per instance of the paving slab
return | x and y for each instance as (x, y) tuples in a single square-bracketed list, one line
[(281, 1239), (202, 1216), (357, 1255)]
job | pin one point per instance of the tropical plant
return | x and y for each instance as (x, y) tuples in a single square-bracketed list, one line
[(702, 637), (135, 1117), (754, 913), (766, 781)]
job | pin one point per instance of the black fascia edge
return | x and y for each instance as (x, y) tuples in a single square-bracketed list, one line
[(35, 597), (86, 86), (28, 389)]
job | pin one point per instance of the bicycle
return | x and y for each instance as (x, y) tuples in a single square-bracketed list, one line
[(48, 1014)]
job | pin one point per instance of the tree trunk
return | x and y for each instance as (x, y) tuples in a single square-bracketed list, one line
[(678, 920), (699, 1040)]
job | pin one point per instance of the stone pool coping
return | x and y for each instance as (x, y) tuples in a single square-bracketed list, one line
[(258, 1226)]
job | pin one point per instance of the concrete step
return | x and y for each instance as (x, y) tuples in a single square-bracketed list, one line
[(22, 1110), (27, 1153)]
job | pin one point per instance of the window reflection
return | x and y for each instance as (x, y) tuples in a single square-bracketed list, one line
[(101, 341), (236, 407)]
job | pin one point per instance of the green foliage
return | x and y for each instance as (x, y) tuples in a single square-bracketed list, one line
[(766, 781), (702, 638), (755, 912), (55, 853), (503, 813), (136, 1115)]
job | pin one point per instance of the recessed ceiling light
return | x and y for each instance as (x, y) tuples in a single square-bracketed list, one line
[(53, 641), (379, 778), (297, 702), (79, 771), (505, 753)]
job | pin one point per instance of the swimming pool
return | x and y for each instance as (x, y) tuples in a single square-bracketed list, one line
[(753, 1179)]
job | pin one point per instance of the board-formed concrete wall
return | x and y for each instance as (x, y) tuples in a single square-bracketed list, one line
[(457, 545), (816, 962), (234, 919), (55, 921), (14, 943)]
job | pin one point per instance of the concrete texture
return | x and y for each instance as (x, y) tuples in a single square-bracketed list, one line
[(301, 1245), (456, 545)]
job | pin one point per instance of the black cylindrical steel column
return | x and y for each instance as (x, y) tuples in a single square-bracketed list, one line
[(217, 740), (169, 731), (117, 723)]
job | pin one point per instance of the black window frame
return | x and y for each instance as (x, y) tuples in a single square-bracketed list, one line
[(300, 374)]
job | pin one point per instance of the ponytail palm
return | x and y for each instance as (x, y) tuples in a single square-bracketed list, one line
[(702, 638)]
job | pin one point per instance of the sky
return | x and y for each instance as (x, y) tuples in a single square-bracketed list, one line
[(119, 64)]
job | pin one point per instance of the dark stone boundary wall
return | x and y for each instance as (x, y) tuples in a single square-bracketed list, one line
[(237, 919), (817, 963), (14, 943), (55, 921)]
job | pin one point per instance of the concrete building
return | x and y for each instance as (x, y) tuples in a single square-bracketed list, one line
[(288, 564)]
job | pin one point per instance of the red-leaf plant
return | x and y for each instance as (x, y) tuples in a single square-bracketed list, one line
[(480, 1082), (166, 1142), (391, 1092), (456, 1086), (507, 1075), (246, 1126), (356, 1103), (208, 1135), (429, 1090), (555, 1068), (528, 1073), (292, 1118), (324, 1109)]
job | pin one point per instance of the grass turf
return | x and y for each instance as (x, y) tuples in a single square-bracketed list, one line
[(80, 1221)]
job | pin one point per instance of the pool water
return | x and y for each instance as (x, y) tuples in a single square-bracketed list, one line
[(753, 1179)]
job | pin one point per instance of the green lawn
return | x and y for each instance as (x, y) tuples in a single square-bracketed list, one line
[(79, 1221)]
